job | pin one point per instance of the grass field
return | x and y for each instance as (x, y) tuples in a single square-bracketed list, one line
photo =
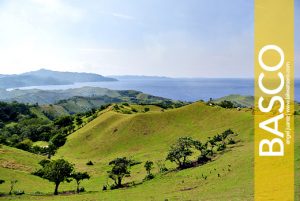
[(147, 136)]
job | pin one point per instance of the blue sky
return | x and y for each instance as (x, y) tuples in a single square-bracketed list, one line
[(192, 38)]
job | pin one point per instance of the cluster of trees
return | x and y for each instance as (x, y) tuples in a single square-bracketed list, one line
[(185, 146), (23, 133), (225, 104), (10, 112), (20, 128), (58, 171), (179, 153), (167, 104)]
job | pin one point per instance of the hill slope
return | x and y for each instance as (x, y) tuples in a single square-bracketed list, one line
[(238, 100), (147, 136)]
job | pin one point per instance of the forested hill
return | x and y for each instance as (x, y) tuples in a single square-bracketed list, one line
[(47, 77)]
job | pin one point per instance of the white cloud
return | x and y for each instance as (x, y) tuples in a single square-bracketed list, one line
[(122, 16)]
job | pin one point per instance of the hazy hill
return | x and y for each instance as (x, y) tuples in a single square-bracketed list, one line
[(48, 77), (52, 96), (76, 100)]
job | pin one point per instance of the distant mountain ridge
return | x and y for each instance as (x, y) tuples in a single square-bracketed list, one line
[(83, 99), (48, 77)]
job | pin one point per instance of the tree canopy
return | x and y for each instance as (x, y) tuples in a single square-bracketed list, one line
[(56, 171)]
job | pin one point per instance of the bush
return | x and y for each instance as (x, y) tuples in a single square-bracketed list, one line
[(221, 147), (226, 104), (146, 109), (89, 163), (149, 177), (18, 192), (104, 187), (58, 140), (81, 189), (231, 141), (134, 110), (161, 166)]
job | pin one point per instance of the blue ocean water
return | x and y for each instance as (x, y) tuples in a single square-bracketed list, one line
[(185, 89)]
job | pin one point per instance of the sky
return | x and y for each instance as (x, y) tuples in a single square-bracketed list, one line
[(191, 38)]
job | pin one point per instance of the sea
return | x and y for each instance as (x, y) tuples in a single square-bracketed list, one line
[(184, 89)]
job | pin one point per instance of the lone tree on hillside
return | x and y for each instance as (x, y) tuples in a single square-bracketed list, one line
[(148, 166), (56, 171), (180, 151), (120, 169), (79, 176), (12, 185)]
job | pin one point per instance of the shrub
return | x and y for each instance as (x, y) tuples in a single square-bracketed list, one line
[(149, 177), (81, 189), (231, 141), (89, 163), (58, 140), (134, 110), (148, 166), (161, 166), (226, 104), (221, 147), (12, 185), (18, 192)]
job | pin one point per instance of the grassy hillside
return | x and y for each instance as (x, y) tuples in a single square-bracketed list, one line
[(238, 100), (147, 136)]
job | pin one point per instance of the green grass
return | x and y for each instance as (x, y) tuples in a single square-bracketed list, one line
[(245, 101), (41, 143), (147, 136)]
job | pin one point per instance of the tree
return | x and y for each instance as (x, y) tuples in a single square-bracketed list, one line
[(79, 176), (58, 140), (180, 151), (226, 104), (50, 150), (64, 121), (120, 169), (148, 166), (79, 121), (2, 181), (12, 185), (56, 171), (24, 145)]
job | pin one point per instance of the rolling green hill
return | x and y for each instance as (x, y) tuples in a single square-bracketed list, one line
[(238, 100), (147, 136), (55, 103)]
